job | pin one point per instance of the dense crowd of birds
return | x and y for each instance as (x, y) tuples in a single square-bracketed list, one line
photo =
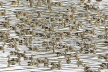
[(66, 30)]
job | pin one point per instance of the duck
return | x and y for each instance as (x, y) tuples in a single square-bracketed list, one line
[(82, 1), (58, 54), (49, 1), (3, 13), (39, 3), (98, 0), (31, 4), (79, 62), (31, 58), (18, 15), (1, 4), (26, 58), (59, 65), (39, 60), (70, 48), (53, 66), (46, 62), (68, 61), (2, 48), (86, 68), (30, 63), (14, 3), (89, 1), (39, 14), (10, 62)]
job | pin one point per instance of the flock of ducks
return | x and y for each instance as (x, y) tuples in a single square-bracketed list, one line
[(57, 29)]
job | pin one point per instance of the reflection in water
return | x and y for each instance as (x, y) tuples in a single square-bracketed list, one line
[(53, 35)]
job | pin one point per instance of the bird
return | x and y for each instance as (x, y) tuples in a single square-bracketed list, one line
[(98, 0), (68, 61), (79, 62)]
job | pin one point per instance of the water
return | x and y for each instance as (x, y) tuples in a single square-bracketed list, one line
[(90, 59)]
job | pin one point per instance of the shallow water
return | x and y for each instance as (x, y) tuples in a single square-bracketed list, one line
[(89, 59)]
